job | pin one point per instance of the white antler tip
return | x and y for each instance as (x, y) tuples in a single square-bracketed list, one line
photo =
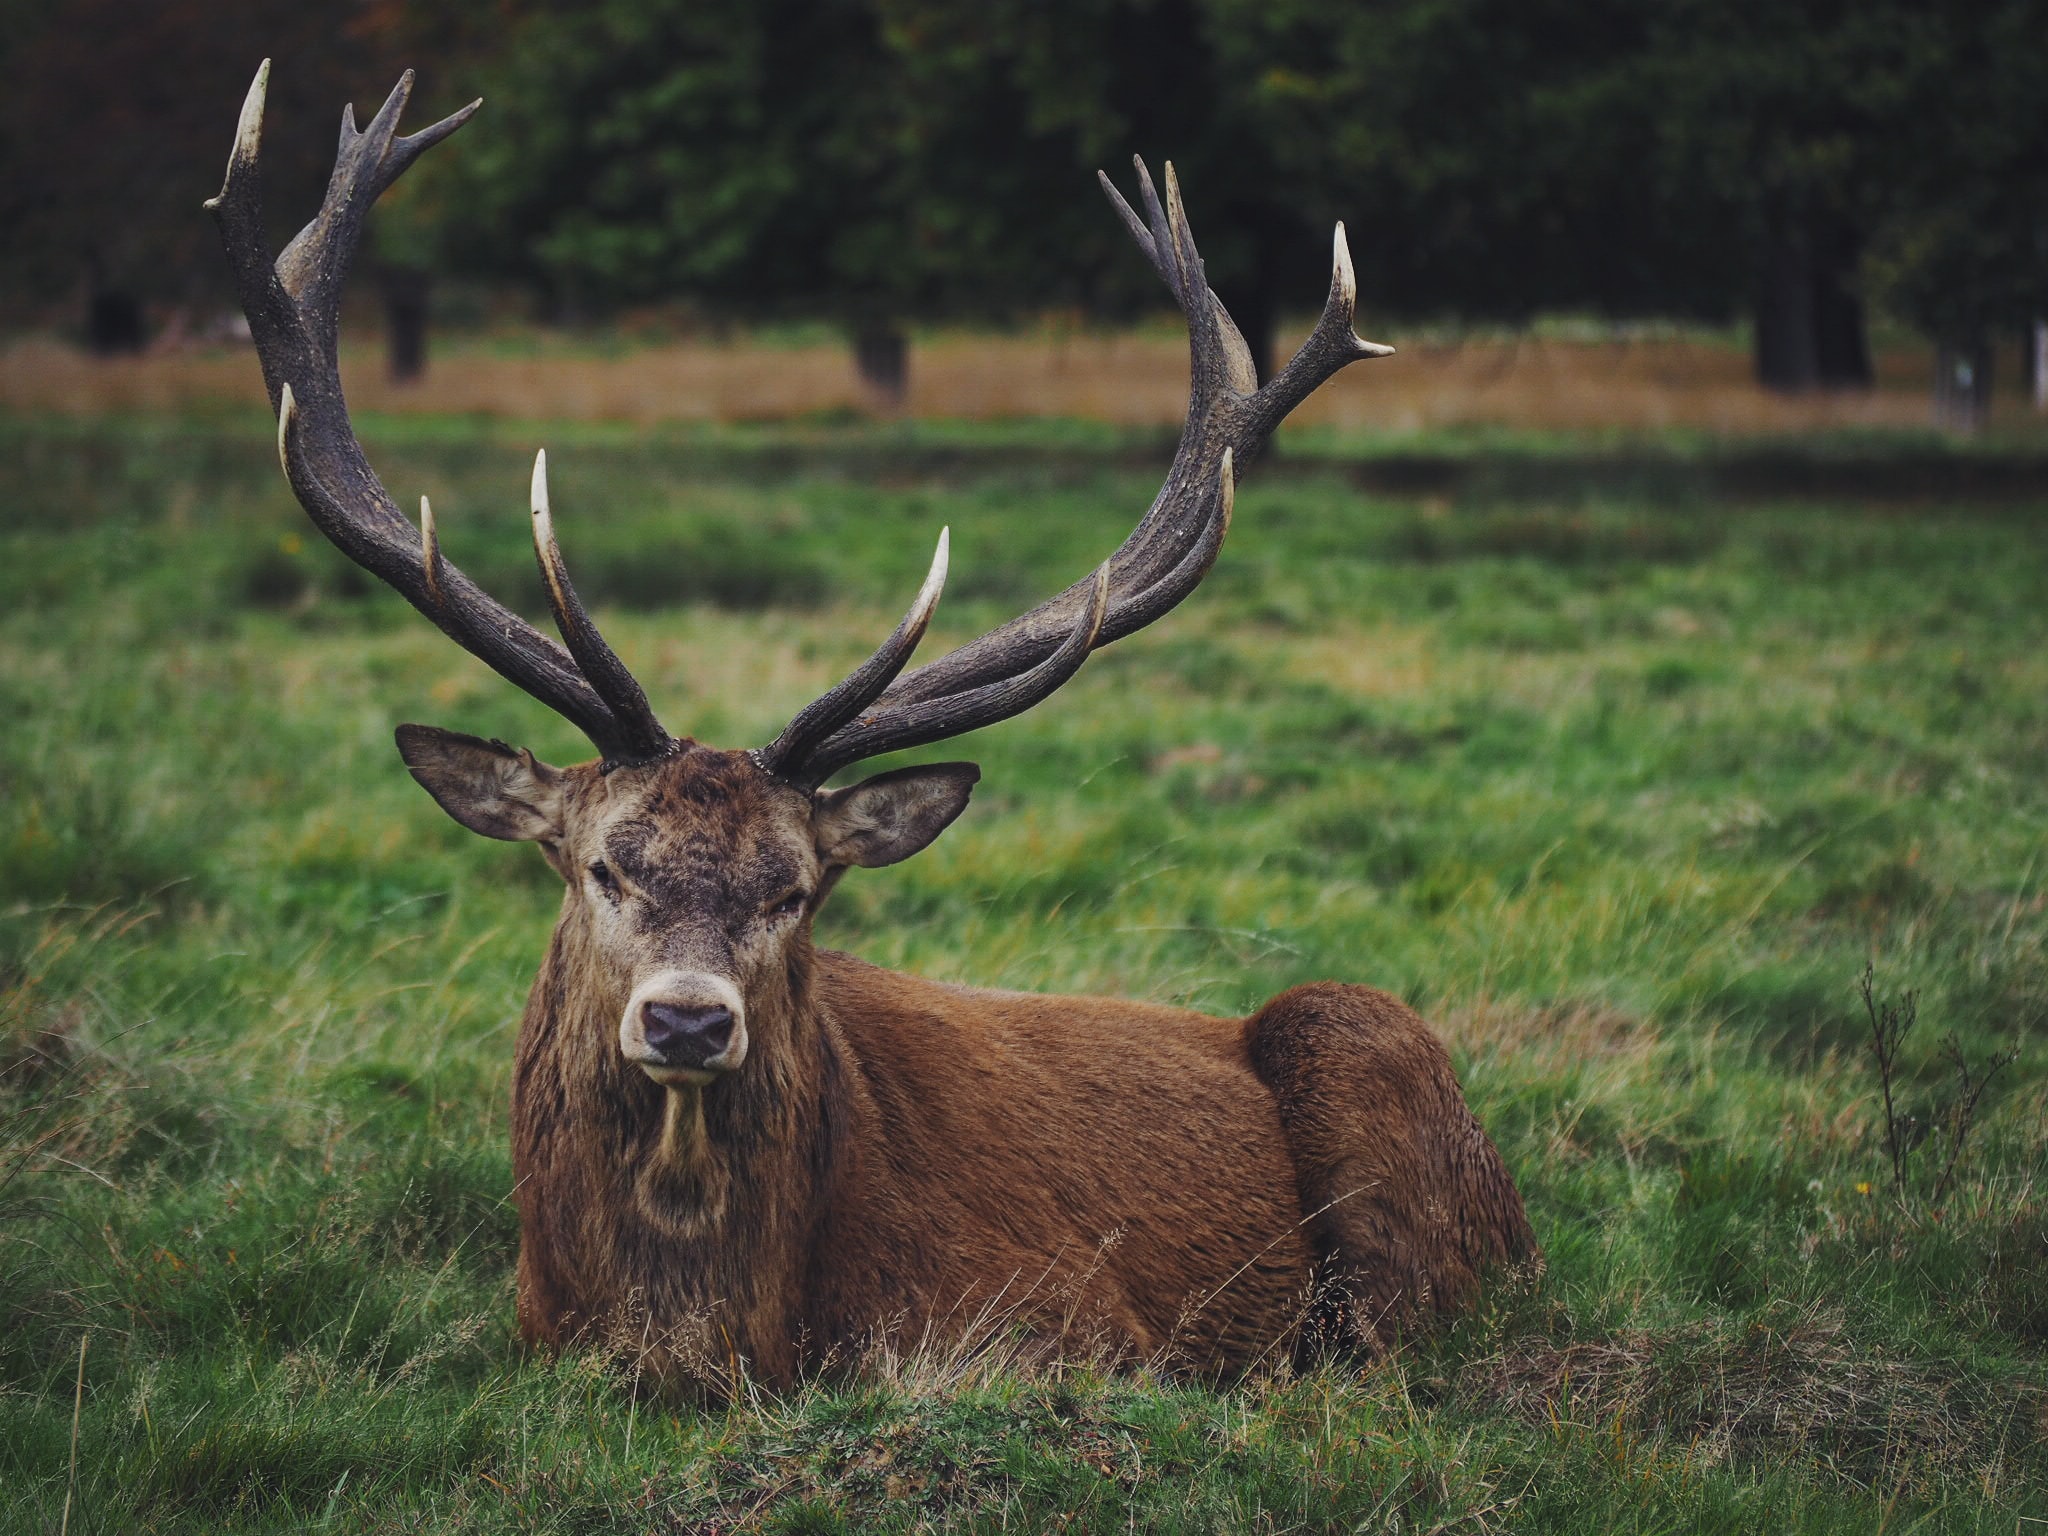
[(935, 578), (249, 131), (540, 483), (430, 552), (1340, 257), (287, 408)]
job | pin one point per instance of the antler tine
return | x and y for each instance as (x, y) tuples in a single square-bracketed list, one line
[(292, 305), (431, 563), (789, 752), (1140, 233), (598, 662), (1330, 346), (1165, 557), (1218, 357), (938, 719)]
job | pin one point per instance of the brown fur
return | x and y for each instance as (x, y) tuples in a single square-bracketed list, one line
[(897, 1158)]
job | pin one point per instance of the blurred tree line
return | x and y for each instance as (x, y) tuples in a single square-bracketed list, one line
[(1798, 162)]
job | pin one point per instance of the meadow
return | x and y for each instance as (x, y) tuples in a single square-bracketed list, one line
[(1625, 787)]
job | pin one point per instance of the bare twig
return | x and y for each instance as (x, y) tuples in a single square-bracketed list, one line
[(1889, 1025), (1962, 1115)]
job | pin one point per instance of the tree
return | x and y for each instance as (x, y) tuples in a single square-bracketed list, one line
[(1491, 153), (1086, 85), (141, 100), (1772, 116), (1962, 245)]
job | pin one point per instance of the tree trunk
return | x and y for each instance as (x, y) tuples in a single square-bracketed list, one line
[(1841, 349), (1962, 385), (881, 355), (1785, 332), (113, 321), (406, 291), (2037, 355), (1809, 319)]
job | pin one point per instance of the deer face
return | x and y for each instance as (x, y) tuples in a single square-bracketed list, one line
[(692, 880)]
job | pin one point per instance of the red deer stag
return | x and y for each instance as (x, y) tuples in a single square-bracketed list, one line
[(730, 1145)]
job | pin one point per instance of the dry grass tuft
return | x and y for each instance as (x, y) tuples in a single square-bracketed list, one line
[(1789, 1382), (1571, 1031)]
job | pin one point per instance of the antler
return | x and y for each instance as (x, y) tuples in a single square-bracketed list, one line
[(293, 305), (1014, 666)]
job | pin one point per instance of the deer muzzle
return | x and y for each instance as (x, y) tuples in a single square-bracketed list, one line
[(684, 1028)]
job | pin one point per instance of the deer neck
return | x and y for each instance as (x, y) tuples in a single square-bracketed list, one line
[(696, 1207)]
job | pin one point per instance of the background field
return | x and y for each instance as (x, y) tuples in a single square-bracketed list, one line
[(1566, 375), (1622, 781)]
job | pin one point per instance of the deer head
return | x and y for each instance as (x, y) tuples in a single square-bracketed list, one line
[(693, 873), (692, 880)]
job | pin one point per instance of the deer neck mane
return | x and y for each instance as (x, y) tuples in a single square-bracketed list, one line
[(665, 1205)]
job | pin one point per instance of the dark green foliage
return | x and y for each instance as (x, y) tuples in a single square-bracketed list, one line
[(1623, 790)]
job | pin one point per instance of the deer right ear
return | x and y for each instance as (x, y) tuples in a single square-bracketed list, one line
[(489, 787)]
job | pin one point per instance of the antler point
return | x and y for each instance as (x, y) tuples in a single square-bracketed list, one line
[(430, 553), (287, 408), (935, 578), (248, 129)]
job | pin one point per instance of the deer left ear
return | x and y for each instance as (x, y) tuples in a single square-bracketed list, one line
[(885, 819)]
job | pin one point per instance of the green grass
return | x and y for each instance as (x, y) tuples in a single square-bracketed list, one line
[(1624, 792)]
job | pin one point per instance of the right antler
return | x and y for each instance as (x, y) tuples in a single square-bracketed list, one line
[(1017, 664), (293, 305)]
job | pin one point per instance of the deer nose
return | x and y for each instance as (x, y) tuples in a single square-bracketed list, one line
[(685, 1037)]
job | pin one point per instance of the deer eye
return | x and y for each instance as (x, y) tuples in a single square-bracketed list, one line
[(789, 906), (605, 880)]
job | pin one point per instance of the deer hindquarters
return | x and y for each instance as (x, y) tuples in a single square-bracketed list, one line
[(1406, 1197)]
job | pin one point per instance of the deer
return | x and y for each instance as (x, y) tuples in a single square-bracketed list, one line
[(733, 1146)]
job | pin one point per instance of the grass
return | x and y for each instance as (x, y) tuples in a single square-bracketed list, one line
[(1624, 791)]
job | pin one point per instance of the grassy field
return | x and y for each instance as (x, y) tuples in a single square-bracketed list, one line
[(1625, 793)]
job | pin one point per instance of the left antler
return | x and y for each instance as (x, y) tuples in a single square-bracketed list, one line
[(293, 305), (1012, 667)]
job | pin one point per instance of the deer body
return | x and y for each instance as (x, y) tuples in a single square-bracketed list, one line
[(733, 1148), (942, 1159)]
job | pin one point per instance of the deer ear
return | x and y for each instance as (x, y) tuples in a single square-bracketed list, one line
[(887, 818), (489, 787)]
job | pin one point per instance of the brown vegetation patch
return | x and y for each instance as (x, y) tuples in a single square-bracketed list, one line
[(1126, 378), (1566, 1032)]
